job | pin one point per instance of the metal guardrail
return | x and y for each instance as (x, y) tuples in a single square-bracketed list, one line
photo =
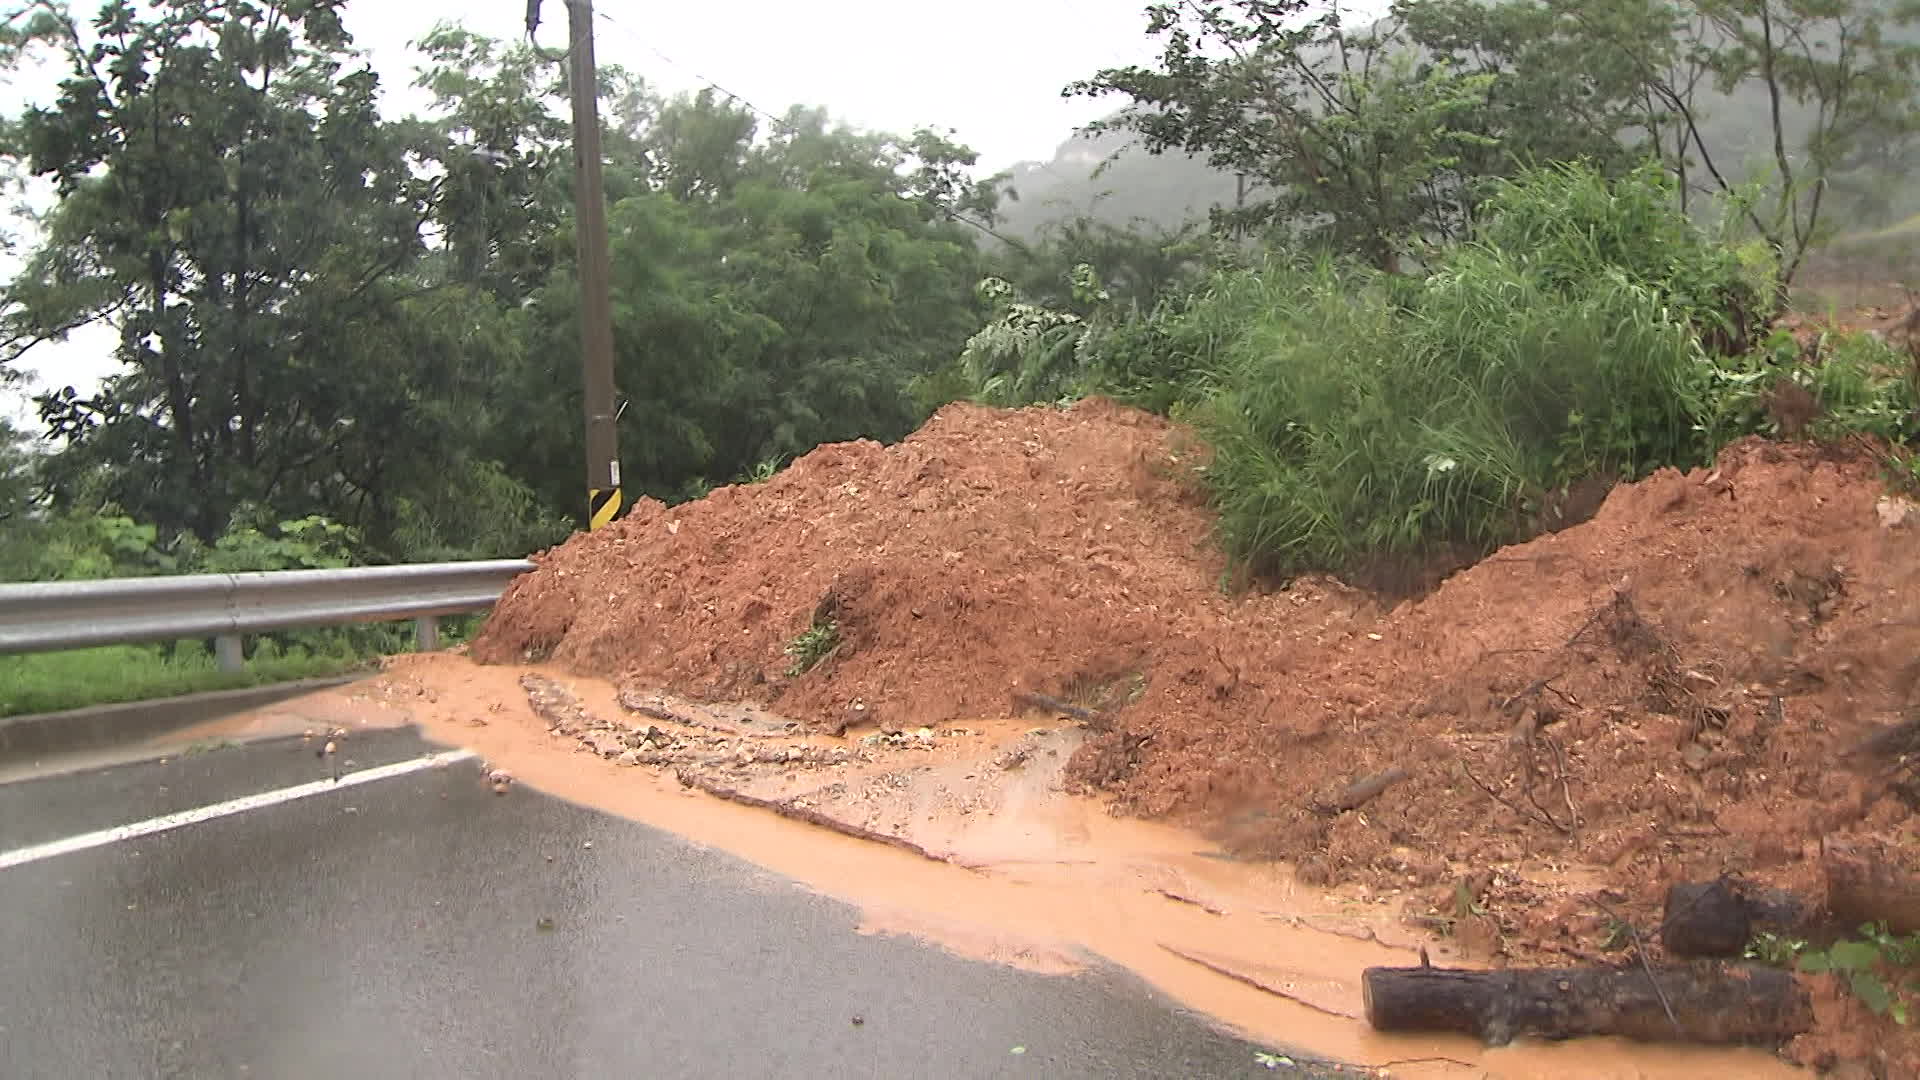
[(48, 616)]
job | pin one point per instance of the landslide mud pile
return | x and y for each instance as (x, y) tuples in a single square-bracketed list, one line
[(1676, 685), (1679, 688), (1680, 679), (1680, 684), (991, 554)]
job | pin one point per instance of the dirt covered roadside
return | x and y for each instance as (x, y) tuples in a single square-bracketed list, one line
[(1677, 689), (1667, 692), (992, 553)]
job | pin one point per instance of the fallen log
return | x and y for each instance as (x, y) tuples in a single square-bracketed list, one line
[(1868, 882), (1708, 918), (1705, 1004), (1361, 791)]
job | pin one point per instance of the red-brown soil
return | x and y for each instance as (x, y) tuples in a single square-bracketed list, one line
[(1666, 691), (990, 553)]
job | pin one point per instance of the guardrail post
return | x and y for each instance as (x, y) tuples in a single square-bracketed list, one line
[(426, 633), (227, 653)]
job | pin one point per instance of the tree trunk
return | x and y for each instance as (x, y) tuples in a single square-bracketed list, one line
[(1867, 881), (1710, 1004)]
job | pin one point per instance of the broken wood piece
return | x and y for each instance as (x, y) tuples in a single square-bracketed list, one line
[(1331, 996), (788, 809), (1053, 704), (1719, 917), (1711, 1004), (1362, 791), (1708, 918), (1780, 911), (1867, 881), (1183, 898)]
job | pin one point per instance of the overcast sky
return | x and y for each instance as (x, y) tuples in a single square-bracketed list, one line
[(992, 69)]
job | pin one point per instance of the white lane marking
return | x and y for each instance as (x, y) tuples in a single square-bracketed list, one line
[(22, 856)]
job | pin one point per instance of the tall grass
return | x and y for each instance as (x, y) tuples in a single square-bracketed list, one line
[(50, 682), (1355, 419), (1588, 328), (1355, 414)]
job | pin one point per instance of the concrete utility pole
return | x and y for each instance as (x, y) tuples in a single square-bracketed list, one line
[(596, 305)]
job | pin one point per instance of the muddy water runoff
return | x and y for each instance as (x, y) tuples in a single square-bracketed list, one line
[(1034, 879)]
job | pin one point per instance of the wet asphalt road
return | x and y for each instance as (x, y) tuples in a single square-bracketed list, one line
[(421, 927)]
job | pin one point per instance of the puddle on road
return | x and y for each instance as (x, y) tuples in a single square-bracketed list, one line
[(1038, 880)]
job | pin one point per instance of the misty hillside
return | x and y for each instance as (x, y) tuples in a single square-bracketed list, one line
[(1167, 190), (1172, 189)]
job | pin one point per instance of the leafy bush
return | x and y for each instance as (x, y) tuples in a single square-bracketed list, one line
[(487, 514), (42, 546), (255, 544), (1564, 222), (1850, 384), (1027, 353), (1355, 414), (1164, 361)]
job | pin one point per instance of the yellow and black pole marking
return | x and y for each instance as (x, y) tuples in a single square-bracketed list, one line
[(602, 505)]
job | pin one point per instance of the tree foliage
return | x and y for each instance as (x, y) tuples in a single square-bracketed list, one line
[(1380, 138), (232, 203), (330, 312)]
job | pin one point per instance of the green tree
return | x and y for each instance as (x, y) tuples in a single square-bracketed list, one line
[(1776, 103), (773, 289), (291, 334), (1139, 265), (16, 475), (231, 203), (1346, 140)]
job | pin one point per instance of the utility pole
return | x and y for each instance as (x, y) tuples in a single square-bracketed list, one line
[(596, 304)]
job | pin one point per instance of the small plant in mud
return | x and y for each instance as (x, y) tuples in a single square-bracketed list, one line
[(1775, 950), (1903, 471), (812, 646), (1873, 966), (763, 471)]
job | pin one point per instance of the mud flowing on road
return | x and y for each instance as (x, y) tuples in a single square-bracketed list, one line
[(1005, 654), (1009, 868)]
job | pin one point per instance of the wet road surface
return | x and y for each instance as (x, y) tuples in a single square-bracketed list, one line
[(420, 926)]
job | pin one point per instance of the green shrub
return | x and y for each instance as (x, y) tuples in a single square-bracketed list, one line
[(1027, 354), (1357, 417), (1166, 359), (1566, 222), (1854, 384)]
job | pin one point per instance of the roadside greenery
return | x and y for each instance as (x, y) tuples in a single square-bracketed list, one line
[(1479, 252), (51, 682), (1584, 328)]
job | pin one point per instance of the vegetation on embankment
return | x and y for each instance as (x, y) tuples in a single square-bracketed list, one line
[(1585, 329), (1446, 290), (53, 682)]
